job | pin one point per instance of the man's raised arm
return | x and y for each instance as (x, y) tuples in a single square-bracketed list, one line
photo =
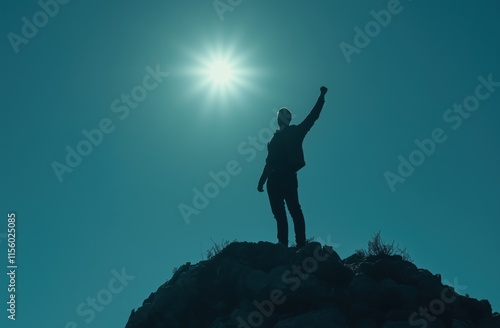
[(308, 122)]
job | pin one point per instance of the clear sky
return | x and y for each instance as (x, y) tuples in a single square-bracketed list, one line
[(112, 221)]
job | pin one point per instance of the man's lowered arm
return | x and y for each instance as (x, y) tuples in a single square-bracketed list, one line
[(262, 180)]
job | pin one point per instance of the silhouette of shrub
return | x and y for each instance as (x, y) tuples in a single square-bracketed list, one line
[(377, 247), (361, 253), (217, 248)]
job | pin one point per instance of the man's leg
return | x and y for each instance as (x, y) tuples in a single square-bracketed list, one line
[(276, 199), (292, 202)]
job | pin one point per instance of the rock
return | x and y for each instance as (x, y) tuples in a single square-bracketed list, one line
[(392, 267), (460, 324), (255, 282), (139, 317), (396, 324), (325, 318), (265, 285)]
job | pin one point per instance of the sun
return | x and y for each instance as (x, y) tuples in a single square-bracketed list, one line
[(220, 72)]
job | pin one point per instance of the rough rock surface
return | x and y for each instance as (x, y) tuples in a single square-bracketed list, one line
[(271, 286)]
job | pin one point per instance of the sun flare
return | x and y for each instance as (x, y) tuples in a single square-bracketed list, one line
[(220, 72)]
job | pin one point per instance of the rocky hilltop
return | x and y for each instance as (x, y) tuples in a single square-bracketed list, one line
[(248, 285)]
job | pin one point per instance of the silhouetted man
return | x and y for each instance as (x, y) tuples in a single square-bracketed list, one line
[(285, 157)]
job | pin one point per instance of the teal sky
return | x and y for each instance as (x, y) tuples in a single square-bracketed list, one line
[(119, 209)]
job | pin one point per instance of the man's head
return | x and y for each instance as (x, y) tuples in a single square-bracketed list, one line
[(284, 117)]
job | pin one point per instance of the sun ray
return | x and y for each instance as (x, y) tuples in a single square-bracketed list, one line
[(220, 72)]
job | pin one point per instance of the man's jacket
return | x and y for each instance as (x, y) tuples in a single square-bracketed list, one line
[(285, 148)]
